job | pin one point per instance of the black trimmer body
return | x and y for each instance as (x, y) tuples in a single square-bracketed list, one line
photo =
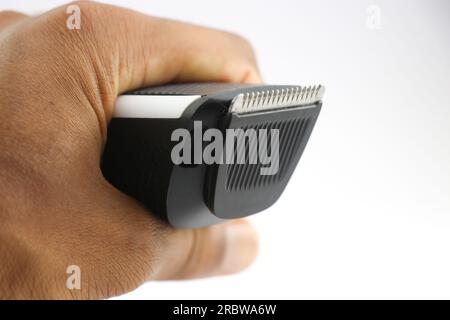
[(198, 154)]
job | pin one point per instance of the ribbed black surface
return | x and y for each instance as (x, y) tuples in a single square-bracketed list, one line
[(247, 176)]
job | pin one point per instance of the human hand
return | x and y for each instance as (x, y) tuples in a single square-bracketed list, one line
[(57, 92)]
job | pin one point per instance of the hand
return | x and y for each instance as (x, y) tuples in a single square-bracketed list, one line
[(57, 93)]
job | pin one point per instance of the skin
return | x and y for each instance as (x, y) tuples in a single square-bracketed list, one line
[(57, 93)]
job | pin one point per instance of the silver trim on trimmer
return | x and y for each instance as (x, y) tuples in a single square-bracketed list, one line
[(276, 99)]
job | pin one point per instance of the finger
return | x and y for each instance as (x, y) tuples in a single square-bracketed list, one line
[(204, 54), (216, 250), (184, 52), (145, 51), (10, 17)]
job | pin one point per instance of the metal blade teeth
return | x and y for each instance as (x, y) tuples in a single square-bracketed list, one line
[(276, 98)]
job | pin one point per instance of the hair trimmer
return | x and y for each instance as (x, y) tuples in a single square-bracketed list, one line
[(198, 154)]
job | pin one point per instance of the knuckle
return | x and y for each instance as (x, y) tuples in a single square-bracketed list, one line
[(9, 13), (88, 15), (94, 14), (7, 17), (88, 11), (87, 7), (246, 55), (242, 42)]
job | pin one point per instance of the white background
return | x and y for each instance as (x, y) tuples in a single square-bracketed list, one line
[(367, 212)]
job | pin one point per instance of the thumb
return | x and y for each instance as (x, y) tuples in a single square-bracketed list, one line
[(216, 250)]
